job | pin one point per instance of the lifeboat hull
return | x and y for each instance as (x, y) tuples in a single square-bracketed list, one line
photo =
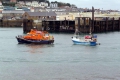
[(22, 41)]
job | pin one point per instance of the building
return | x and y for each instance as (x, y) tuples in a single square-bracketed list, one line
[(53, 5), (14, 1), (1, 7), (13, 14), (40, 15)]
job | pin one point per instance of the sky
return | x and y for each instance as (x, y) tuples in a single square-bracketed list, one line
[(97, 4)]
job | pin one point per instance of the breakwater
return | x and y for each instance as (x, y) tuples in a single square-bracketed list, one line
[(84, 24), (51, 26), (11, 23), (99, 24)]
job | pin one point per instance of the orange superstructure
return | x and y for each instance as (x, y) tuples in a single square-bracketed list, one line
[(38, 35)]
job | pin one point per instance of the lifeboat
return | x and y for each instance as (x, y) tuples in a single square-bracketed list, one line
[(35, 36)]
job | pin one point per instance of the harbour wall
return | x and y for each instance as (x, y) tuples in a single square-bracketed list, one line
[(84, 24), (99, 24), (11, 23)]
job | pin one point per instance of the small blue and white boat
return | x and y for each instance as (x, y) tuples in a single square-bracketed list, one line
[(86, 40)]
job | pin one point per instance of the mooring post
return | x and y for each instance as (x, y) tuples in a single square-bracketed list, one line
[(113, 24), (45, 25), (106, 29), (65, 23), (24, 25), (85, 25), (1, 23), (100, 26), (119, 24), (92, 18), (78, 23), (90, 25), (54, 25), (60, 25)]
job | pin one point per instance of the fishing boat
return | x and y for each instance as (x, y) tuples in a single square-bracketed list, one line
[(36, 37), (84, 40)]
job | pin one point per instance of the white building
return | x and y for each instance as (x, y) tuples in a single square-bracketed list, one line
[(53, 5), (21, 3), (0, 3), (1, 7), (28, 3), (36, 4), (43, 4)]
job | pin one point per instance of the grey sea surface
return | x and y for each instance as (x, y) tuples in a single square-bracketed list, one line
[(59, 61)]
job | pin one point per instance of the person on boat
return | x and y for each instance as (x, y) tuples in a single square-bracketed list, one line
[(76, 32)]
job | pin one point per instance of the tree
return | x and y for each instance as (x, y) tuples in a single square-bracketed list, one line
[(68, 4)]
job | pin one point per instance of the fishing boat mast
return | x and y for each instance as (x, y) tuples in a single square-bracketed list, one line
[(91, 27)]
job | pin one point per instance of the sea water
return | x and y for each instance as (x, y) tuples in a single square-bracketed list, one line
[(59, 61)]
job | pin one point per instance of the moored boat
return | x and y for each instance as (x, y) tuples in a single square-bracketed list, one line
[(36, 37), (86, 40)]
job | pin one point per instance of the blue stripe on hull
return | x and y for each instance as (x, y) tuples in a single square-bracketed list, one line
[(93, 43), (34, 41), (85, 43)]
